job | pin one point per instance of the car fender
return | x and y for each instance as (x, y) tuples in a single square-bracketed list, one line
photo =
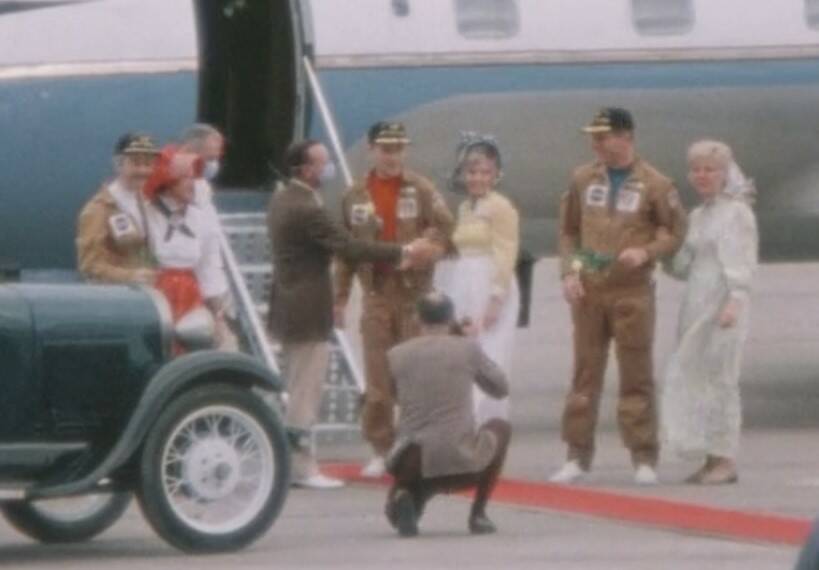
[(179, 374)]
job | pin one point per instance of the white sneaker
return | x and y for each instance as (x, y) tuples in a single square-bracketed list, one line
[(375, 468), (318, 481), (571, 472), (645, 475)]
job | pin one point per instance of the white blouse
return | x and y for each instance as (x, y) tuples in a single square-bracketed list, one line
[(186, 237)]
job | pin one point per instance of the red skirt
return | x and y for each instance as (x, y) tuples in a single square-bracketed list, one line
[(181, 289)]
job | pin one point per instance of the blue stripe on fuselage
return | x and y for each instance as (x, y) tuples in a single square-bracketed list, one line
[(363, 96), (59, 136)]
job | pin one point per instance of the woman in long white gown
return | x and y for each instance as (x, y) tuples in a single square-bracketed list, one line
[(700, 405), (481, 279)]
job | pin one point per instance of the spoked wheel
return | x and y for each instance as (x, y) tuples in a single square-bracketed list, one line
[(72, 519), (215, 469)]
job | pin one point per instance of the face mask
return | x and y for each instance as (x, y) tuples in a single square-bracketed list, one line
[(328, 173), (210, 170)]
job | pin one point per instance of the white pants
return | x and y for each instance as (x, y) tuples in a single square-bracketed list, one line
[(467, 280)]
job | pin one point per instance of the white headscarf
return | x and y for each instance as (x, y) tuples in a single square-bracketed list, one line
[(737, 185)]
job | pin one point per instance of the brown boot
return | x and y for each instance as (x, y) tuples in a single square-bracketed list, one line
[(722, 472), (696, 477)]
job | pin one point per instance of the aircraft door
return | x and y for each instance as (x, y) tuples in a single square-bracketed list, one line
[(251, 83)]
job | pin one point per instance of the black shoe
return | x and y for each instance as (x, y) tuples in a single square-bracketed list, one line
[(402, 512), (392, 515), (480, 524)]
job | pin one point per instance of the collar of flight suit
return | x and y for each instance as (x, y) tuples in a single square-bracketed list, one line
[(408, 179), (637, 170)]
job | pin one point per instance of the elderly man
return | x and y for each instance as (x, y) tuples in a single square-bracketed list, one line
[(207, 143), (304, 239), (111, 242), (391, 205), (619, 216), (438, 448)]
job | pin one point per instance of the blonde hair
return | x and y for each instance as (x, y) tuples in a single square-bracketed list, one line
[(737, 185), (717, 150)]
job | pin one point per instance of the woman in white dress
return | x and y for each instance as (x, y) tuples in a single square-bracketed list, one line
[(481, 278), (701, 402)]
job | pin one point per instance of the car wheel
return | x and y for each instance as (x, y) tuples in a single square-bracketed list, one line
[(215, 469), (66, 520)]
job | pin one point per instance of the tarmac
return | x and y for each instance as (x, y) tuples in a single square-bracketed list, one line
[(608, 522)]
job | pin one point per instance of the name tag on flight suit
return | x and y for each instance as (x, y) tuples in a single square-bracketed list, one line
[(407, 208), (628, 201), (122, 227), (597, 195)]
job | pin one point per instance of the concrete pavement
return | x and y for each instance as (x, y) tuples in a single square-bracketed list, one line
[(779, 470)]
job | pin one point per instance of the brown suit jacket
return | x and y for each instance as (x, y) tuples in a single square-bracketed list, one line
[(304, 239), (433, 376)]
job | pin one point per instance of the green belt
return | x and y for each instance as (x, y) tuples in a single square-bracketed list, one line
[(591, 261)]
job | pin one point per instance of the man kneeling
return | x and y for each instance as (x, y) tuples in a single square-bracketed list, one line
[(438, 448)]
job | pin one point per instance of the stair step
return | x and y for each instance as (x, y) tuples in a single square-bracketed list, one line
[(246, 235)]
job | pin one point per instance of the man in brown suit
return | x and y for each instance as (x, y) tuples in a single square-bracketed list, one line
[(304, 239), (438, 449)]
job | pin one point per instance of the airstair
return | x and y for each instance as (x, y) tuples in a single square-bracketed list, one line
[(246, 251)]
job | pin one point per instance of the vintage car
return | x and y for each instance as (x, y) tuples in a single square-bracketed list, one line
[(94, 408)]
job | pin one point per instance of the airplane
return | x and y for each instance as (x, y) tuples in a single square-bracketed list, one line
[(75, 74)]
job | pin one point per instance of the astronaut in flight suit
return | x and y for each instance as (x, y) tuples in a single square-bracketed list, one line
[(619, 216), (396, 205)]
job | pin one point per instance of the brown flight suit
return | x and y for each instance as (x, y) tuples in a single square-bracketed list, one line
[(388, 315), (103, 256), (618, 301)]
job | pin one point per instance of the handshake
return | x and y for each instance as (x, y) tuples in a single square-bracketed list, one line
[(421, 252)]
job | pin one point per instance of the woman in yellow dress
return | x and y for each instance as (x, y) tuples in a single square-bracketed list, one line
[(481, 278)]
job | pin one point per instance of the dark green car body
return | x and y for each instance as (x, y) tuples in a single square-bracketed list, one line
[(84, 371)]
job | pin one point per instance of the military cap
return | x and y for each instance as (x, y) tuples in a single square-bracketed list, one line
[(135, 143), (610, 119), (385, 132)]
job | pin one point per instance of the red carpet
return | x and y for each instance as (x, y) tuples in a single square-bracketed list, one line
[(648, 511)]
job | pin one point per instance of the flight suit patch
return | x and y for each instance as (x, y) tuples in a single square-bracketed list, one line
[(407, 208), (628, 201), (597, 195), (360, 213), (122, 226)]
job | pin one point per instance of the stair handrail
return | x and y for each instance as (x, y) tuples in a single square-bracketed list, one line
[(245, 304), (338, 150)]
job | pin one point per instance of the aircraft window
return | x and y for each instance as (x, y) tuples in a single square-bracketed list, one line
[(662, 17), (812, 13), (401, 8), (487, 19)]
